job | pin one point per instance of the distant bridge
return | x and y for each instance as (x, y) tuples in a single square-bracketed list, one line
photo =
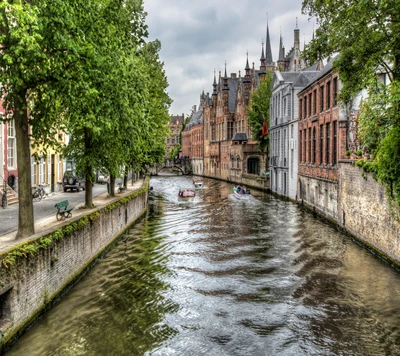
[(179, 166)]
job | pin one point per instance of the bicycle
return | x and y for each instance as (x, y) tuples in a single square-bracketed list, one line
[(39, 193), (4, 201)]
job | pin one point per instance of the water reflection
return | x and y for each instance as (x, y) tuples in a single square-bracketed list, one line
[(226, 277)]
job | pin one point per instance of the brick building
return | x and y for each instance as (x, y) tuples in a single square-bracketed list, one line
[(193, 138), (175, 127), (322, 141)]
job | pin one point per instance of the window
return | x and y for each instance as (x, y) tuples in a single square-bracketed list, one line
[(328, 95), (253, 166), (309, 104), (300, 109), (315, 102), (291, 162), (48, 169), (42, 164), (321, 98), (11, 148), (309, 144), (314, 146), (328, 143), (33, 171), (321, 144), (334, 158), (60, 172), (300, 146), (305, 107), (291, 131), (335, 91)]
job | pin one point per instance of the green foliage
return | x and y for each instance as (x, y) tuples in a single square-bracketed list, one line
[(84, 68), (259, 110), (26, 249), (388, 163), (376, 26), (174, 151)]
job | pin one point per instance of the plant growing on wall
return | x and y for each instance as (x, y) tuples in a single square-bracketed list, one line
[(376, 25)]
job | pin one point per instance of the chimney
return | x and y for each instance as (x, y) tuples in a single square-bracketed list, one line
[(233, 75)]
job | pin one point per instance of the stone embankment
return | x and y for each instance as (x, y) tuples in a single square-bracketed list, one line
[(37, 271)]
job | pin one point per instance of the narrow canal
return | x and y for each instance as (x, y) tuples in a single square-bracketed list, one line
[(220, 277)]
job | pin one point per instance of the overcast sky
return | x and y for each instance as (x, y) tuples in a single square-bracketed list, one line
[(198, 36)]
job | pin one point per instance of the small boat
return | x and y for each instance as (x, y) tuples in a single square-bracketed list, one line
[(186, 194), (198, 183), (241, 192)]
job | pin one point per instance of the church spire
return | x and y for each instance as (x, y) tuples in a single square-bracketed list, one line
[(281, 49), (268, 52), (262, 59)]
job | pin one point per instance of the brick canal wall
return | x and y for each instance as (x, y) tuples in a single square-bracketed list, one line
[(364, 211), (37, 271)]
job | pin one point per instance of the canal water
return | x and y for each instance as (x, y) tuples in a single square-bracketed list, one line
[(221, 276)]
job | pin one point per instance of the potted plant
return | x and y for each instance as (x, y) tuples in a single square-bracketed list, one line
[(347, 154)]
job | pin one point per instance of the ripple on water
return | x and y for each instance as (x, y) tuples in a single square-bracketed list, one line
[(225, 277)]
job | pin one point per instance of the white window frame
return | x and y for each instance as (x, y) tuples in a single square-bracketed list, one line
[(33, 171), (42, 170), (49, 169), (11, 146)]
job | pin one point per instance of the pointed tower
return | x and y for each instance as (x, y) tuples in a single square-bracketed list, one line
[(281, 58), (263, 65), (226, 92), (268, 53), (296, 47), (247, 82)]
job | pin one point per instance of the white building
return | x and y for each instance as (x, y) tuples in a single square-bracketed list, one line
[(283, 129)]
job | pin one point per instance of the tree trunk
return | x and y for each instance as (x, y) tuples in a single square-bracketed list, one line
[(126, 177), (112, 185), (88, 170), (26, 222)]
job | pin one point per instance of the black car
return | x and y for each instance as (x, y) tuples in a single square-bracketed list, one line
[(72, 180)]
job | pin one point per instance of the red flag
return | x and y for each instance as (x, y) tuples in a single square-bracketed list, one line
[(264, 129)]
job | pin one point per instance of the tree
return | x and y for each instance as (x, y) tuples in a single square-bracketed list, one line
[(39, 40), (366, 34), (259, 111)]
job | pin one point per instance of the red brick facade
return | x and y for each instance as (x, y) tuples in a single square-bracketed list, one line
[(319, 129)]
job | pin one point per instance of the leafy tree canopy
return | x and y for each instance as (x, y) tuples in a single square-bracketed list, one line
[(258, 111), (366, 34)]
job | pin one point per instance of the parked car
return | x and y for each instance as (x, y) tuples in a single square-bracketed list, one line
[(103, 178), (72, 180)]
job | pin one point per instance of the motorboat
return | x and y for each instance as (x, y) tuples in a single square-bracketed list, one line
[(186, 194), (198, 183), (241, 192)]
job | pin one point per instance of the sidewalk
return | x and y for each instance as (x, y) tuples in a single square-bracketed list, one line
[(41, 225)]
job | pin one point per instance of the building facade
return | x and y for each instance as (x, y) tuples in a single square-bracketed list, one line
[(175, 126), (283, 129), (322, 141)]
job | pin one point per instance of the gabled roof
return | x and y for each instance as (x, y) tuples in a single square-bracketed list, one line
[(328, 67), (305, 78)]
